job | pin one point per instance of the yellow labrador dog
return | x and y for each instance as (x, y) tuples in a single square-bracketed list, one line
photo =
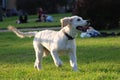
[(54, 42)]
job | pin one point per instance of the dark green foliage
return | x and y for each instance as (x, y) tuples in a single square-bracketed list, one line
[(104, 14), (49, 6)]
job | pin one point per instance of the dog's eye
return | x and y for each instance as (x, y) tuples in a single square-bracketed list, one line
[(78, 19)]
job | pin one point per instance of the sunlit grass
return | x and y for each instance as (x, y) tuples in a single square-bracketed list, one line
[(98, 59)]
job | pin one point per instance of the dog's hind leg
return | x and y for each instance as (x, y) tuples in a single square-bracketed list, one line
[(39, 53)]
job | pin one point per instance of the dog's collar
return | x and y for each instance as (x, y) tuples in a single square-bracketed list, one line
[(67, 35)]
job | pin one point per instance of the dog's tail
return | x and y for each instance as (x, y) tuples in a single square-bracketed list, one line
[(21, 34)]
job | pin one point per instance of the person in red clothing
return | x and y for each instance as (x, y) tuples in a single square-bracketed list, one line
[(40, 15)]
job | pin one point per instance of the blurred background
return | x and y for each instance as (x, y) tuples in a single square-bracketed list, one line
[(103, 14)]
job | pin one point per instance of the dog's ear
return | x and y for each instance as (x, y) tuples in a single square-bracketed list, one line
[(65, 21)]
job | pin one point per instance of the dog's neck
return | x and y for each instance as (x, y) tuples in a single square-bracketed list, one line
[(69, 33)]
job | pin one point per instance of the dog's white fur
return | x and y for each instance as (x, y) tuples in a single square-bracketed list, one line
[(54, 42)]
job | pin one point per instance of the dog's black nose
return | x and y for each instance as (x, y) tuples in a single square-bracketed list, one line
[(88, 21)]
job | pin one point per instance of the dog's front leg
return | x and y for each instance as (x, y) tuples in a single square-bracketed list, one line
[(56, 58), (73, 60)]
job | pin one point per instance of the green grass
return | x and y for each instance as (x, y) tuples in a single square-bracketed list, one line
[(31, 21), (98, 59)]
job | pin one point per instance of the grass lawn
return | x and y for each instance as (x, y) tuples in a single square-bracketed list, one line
[(98, 59), (31, 21)]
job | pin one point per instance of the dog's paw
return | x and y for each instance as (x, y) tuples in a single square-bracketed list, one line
[(75, 68), (59, 64), (37, 66)]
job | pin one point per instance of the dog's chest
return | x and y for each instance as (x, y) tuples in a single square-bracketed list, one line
[(65, 45), (64, 48)]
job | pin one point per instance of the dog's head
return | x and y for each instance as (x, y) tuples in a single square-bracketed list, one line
[(75, 22)]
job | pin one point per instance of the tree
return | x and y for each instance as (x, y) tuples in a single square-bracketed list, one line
[(49, 5), (104, 14), (26, 5), (1, 18)]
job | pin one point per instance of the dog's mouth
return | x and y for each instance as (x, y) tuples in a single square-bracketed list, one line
[(82, 28)]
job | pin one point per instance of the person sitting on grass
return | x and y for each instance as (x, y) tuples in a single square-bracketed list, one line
[(23, 18), (40, 13), (91, 32), (48, 18)]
